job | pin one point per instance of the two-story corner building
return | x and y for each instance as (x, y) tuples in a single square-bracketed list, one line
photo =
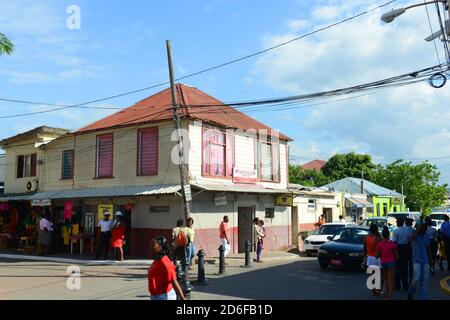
[(128, 161)]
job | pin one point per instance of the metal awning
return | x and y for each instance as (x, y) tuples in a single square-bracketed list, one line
[(100, 192), (246, 188), (357, 203)]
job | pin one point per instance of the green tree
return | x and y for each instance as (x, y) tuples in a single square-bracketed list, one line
[(349, 165), (6, 46), (308, 178), (420, 184)]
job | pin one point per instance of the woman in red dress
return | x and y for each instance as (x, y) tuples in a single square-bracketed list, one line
[(118, 236)]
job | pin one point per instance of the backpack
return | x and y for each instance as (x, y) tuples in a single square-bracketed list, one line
[(181, 240)]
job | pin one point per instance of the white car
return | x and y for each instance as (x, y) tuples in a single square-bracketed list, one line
[(437, 219), (320, 236)]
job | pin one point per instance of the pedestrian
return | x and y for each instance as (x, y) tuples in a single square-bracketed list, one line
[(180, 242), (45, 234), (409, 225), (421, 262), (401, 237), (263, 229), (106, 226), (445, 230), (432, 235), (442, 254), (341, 219), (224, 232), (370, 250), (258, 235), (361, 220), (388, 254), (118, 236), (191, 237), (162, 275)]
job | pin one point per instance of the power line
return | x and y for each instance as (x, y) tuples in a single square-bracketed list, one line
[(63, 107), (432, 31)]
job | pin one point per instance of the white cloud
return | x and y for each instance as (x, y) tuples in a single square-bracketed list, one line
[(297, 25), (408, 122)]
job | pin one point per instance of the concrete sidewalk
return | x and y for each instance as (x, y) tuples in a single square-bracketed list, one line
[(267, 256)]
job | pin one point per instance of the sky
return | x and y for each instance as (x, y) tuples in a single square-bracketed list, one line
[(120, 47)]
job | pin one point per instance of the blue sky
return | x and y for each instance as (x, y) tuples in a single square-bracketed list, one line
[(121, 47)]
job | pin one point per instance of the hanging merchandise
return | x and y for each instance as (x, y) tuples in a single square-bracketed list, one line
[(4, 206), (68, 210)]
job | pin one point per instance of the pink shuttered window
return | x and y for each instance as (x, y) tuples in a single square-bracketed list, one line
[(217, 153), (104, 156), (148, 152)]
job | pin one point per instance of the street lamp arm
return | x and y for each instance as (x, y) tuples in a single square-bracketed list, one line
[(424, 4), (388, 17)]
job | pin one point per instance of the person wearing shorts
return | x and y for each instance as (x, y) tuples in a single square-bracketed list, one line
[(370, 250), (388, 254)]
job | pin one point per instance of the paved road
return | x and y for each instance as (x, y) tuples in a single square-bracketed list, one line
[(291, 279)]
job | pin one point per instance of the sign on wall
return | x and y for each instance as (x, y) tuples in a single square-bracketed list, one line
[(397, 200), (220, 200), (188, 192), (285, 200), (102, 208), (41, 203), (241, 175)]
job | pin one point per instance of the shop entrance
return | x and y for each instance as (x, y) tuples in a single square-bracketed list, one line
[(328, 212), (294, 225), (245, 227)]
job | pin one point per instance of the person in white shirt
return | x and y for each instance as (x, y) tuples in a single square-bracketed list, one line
[(341, 219), (45, 229), (106, 226)]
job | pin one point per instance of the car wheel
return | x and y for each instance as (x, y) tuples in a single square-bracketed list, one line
[(324, 265)]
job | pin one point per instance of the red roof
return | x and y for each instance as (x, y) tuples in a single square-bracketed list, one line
[(194, 104), (314, 165)]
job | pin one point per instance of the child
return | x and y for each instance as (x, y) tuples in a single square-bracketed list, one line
[(162, 276), (388, 254), (442, 255)]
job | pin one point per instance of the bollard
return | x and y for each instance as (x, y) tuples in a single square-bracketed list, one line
[(201, 267), (248, 257), (185, 283), (221, 260)]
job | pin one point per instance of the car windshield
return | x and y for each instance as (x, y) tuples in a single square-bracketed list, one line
[(380, 223), (328, 229), (435, 216), (351, 235)]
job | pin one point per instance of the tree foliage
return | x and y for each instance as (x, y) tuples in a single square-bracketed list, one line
[(420, 183), (349, 165), (309, 178), (6, 46)]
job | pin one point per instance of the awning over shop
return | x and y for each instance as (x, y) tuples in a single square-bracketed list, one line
[(99, 192), (357, 203), (246, 188)]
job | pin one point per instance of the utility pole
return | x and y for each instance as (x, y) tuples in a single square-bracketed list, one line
[(176, 119)]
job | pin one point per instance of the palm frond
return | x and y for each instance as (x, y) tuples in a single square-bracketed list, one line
[(6, 46)]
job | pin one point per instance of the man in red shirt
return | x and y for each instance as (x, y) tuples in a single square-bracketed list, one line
[(225, 235)]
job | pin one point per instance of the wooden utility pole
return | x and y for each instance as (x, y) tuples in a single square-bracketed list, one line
[(185, 187)]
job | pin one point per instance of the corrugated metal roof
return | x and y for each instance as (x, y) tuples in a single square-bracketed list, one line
[(353, 185), (194, 104), (100, 192), (360, 203), (247, 188)]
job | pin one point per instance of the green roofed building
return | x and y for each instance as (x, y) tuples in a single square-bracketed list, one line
[(382, 199)]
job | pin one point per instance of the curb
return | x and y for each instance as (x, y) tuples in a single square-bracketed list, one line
[(215, 260), (79, 261), (445, 286)]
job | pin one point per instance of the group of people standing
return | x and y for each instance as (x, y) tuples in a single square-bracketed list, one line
[(409, 257), (111, 233)]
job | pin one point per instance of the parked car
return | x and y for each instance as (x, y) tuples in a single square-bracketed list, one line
[(437, 219), (312, 243), (345, 248), (381, 222), (415, 215)]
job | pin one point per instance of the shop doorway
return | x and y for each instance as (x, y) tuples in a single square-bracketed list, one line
[(328, 212), (294, 225), (245, 227)]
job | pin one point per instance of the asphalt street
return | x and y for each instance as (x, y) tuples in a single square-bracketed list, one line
[(299, 278)]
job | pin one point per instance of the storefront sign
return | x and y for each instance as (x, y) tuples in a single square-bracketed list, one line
[(397, 200), (41, 203), (284, 200), (220, 200), (102, 208), (244, 175)]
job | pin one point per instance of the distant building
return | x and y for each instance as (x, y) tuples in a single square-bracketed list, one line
[(314, 165), (380, 201)]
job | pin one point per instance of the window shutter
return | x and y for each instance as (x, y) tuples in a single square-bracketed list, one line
[(266, 161), (20, 166), (230, 156), (148, 149), (205, 167), (33, 165), (276, 164), (105, 156), (67, 164)]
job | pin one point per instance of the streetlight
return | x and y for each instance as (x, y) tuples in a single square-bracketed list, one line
[(388, 17)]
